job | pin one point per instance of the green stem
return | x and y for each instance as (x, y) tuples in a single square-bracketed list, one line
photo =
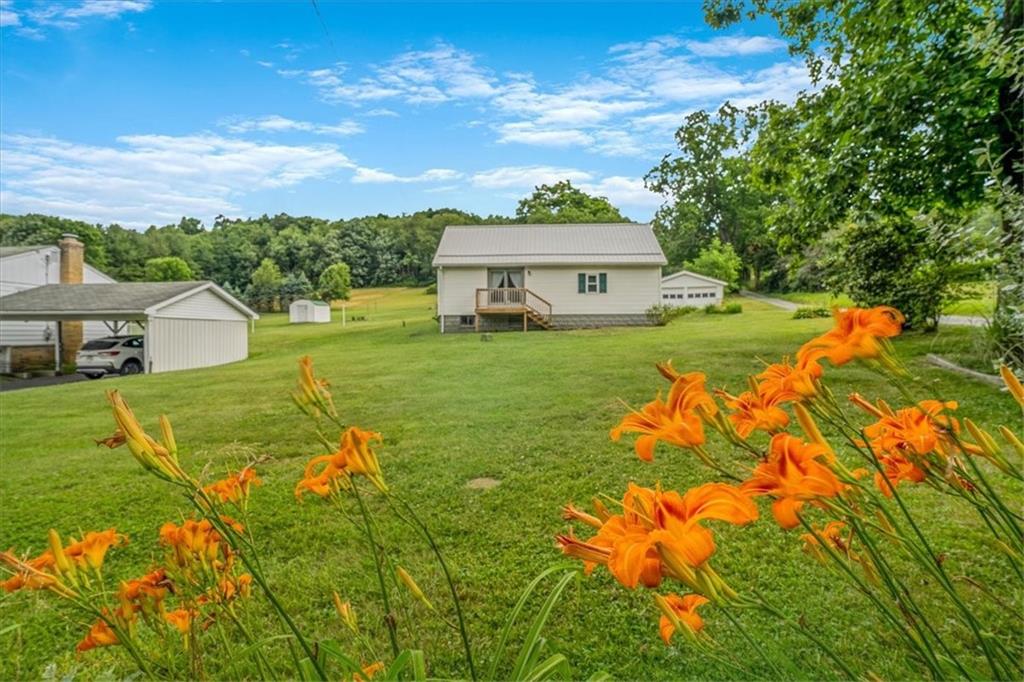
[(389, 617), (448, 578)]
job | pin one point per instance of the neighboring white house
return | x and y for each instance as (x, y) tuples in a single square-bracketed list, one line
[(304, 310), (686, 288), (24, 344), (492, 277), (185, 324)]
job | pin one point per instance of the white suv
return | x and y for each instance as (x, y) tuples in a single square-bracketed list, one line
[(110, 355)]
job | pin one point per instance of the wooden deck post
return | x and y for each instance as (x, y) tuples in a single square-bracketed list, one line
[(524, 320)]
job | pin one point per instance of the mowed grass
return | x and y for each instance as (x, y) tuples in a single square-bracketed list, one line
[(531, 410)]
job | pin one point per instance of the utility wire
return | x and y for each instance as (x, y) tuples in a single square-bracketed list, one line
[(323, 24)]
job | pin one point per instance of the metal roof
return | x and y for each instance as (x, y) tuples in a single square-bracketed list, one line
[(119, 301), (555, 244), (695, 275), (6, 251)]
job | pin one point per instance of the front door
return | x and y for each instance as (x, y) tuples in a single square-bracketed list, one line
[(500, 280)]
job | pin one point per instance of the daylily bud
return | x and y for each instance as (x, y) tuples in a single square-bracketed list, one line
[(407, 580), (1012, 384), (64, 565), (1012, 439), (346, 613), (803, 416), (858, 400), (168, 437), (985, 441)]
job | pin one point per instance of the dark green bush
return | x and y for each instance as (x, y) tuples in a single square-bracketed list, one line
[(432, 289), (663, 314), (809, 313), (724, 309)]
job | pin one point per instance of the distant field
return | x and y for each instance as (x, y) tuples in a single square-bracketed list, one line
[(530, 410)]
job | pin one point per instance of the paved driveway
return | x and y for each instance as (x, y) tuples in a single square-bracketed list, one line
[(34, 382), (957, 320)]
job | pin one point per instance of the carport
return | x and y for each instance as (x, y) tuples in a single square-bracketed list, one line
[(185, 324)]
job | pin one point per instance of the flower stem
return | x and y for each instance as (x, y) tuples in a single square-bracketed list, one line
[(389, 617)]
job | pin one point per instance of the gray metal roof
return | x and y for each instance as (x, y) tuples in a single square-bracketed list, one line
[(124, 299), (557, 244), (6, 251)]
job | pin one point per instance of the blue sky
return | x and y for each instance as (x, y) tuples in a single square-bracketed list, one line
[(139, 112)]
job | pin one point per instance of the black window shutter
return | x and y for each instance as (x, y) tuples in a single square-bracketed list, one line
[(581, 282), (602, 283)]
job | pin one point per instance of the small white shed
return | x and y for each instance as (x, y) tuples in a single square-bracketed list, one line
[(685, 288), (185, 324), (304, 310)]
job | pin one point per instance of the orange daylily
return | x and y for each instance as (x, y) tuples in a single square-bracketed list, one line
[(181, 619), (353, 456), (792, 474), (368, 671), (855, 336), (235, 486), (150, 589), (656, 524), (684, 611), (676, 420), (194, 541), (897, 469), (100, 634), (755, 411), (93, 547), (832, 533), (917, 430), (783, 382), (31, 574)]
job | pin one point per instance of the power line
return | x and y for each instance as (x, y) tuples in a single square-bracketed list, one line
[(323, 24)]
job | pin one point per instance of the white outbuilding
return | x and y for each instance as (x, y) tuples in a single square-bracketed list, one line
[(689, 289), (185, 324), (304, 310)]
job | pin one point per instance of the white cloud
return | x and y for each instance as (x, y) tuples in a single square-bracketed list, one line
[(440, 74), (382, 112), (732, 46), (279, 124), (526, 177), (624, 192), (373, 175), (8, 17), (31, 21), (146, 179)]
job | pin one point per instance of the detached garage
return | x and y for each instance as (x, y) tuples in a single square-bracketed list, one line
[(688, 289), (185, 324)]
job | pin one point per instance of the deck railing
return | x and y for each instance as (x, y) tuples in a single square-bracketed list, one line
[(513, 299)]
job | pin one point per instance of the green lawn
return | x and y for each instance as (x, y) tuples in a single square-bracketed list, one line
[(531, 410)]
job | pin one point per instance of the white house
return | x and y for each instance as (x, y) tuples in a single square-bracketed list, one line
[(686, 288), (31, 344), (304, 310), (493, 277)]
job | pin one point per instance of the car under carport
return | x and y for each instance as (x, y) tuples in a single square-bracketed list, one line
[(185, 324)]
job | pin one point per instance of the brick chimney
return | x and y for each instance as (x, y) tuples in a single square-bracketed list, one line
[(72, 265)]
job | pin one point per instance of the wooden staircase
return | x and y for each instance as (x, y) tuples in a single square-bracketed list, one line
[(514, 301)]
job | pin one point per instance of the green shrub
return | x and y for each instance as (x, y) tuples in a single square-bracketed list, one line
[(431, 290), (809, 313), (661, 314), (725, 309)]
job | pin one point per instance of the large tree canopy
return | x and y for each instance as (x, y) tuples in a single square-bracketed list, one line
[(563, 203)]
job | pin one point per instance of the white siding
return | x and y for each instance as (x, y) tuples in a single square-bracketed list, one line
[(174, 344), (456, 289), (631, 289), (204, 305), (33, 269), (683, 289), (307, 311)]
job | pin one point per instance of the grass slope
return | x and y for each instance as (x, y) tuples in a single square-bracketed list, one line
[(532, 410)]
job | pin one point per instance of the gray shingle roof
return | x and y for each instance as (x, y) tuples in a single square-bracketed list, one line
[(6, 251), (558, 244), (123, 298)]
